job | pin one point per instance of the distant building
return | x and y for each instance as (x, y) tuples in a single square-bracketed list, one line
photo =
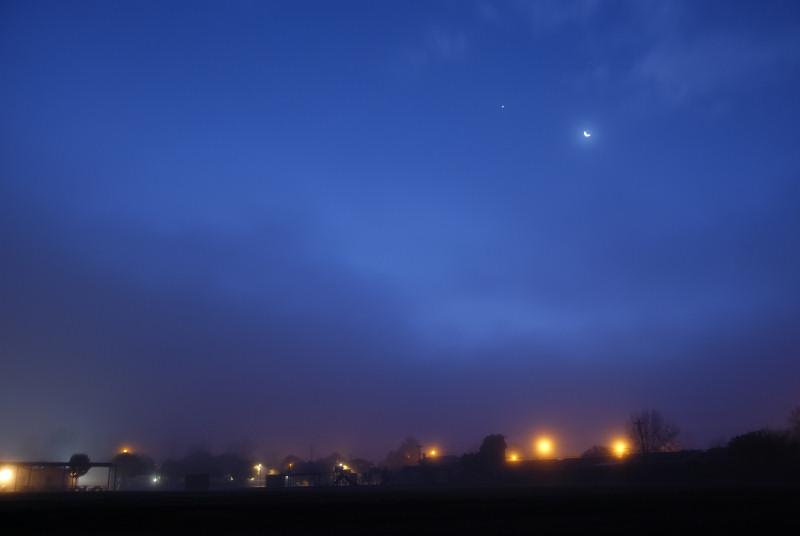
[(49, 476)]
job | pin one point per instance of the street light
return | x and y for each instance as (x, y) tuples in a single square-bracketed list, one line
[(258, 474), (545, 447)]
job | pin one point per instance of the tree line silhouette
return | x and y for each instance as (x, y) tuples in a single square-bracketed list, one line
[(653, 441)]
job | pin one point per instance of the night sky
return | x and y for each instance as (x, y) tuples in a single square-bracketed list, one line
[(299, 225)]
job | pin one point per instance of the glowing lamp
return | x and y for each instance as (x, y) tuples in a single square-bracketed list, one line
[(545, 447)]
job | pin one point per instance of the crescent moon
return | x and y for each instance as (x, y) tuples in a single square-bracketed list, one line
[(587, 133)]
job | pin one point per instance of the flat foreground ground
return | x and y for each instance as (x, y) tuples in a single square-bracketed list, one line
[(622, 509)]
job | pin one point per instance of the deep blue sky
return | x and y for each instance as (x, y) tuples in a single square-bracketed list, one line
[(335, 224)]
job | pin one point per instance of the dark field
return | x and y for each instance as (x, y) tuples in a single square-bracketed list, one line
[(521, 510)]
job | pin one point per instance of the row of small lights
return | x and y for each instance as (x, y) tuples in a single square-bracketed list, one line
[(544, 447)]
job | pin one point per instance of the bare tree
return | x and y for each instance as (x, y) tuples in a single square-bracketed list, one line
[(132, 466), (408, 453), (649, 432)]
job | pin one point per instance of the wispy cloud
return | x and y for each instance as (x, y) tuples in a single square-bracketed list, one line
[(664, 52), (437, 44), (551, 15), (680, 70)]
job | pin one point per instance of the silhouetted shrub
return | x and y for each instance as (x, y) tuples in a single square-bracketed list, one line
[(597, 452), (763, 447)]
